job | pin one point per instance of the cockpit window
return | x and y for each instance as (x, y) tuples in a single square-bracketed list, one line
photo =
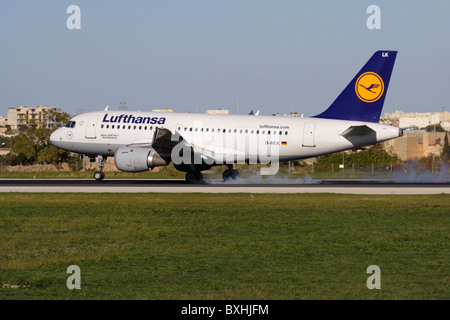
[(70, 124)]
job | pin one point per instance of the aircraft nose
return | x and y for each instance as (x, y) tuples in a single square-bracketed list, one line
[(55, 137)]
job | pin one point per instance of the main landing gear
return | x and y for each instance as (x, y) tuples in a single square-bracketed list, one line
[(197, 177), (99, 175), (194, 177), (230, 174)]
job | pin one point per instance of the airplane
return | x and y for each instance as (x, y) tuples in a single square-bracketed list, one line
[(141, 141)]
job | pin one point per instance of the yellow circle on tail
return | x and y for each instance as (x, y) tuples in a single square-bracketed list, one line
[(369, 87)]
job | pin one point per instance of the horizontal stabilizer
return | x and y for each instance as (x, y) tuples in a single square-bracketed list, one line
[(354, 131), (410, 128), (360, 136)]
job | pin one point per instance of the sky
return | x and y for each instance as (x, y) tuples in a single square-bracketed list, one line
[(242, 55)]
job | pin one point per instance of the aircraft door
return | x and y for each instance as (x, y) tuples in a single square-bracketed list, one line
[(91, 127), (308, 134)]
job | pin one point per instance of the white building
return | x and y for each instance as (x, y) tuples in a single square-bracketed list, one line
[(162, 110), (3, 121), (218, 111), (23, 116), (417, 119)]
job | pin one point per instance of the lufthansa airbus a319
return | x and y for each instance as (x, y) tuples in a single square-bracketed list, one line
[(140, 141)]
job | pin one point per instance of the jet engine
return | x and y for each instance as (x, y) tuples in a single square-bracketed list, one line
[(135, 159)]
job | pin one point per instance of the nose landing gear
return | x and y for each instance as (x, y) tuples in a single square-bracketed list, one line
[(99, 175)]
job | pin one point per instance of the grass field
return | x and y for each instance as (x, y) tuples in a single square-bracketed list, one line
[(224, 246)]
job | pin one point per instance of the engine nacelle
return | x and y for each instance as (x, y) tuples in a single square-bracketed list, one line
[(134, 159)]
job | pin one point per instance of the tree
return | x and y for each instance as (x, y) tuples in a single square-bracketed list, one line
[(374, 155), (23, 147), (33, 144), (56, 118), (446, 149), (434, 128), (50, 154)]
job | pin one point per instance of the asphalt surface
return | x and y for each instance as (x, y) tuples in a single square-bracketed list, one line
[(218, 186)]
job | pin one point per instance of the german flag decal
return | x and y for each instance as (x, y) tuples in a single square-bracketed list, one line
[(283, 143)]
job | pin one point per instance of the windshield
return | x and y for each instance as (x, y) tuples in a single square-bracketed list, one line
[(70, 124)]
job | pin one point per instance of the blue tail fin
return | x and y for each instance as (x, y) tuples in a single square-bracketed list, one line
[(363, 98)]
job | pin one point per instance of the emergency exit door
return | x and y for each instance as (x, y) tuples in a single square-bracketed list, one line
[(308, 134)]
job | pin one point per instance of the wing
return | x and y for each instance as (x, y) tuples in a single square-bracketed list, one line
[(164, 141)]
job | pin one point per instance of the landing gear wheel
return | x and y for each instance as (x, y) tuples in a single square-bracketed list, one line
[(99, 176), (194, 176), (230, 174)]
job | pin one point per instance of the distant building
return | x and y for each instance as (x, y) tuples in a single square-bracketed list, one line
[(416, 144), (20, 117), (291, 114), (3, 122), (162, 110), (218, 111), (417, 119)]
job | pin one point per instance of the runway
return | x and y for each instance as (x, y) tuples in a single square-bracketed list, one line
[(391, 187)]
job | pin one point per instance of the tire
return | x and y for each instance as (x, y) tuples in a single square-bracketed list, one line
[(230, 174), (190, 177), (194, 176), (99, 176)]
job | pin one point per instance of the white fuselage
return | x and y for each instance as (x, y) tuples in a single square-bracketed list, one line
[(241, 136)]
